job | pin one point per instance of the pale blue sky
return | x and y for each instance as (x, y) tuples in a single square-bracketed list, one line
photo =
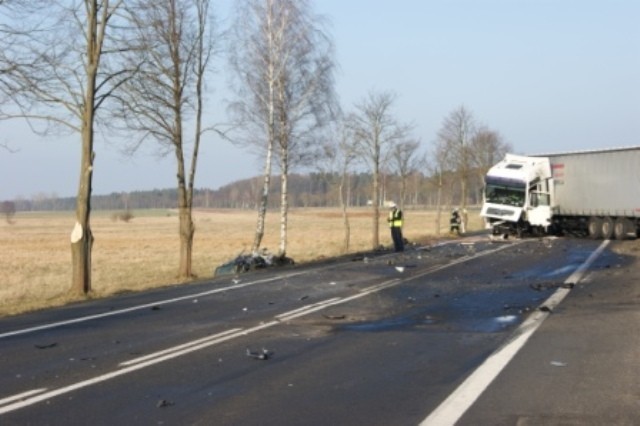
[(549, 75)]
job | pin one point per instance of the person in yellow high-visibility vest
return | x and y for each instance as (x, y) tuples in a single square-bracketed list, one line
[(395, 223)]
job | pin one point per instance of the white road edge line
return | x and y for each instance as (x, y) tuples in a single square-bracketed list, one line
[(175, 352), (145, 306), (454, 407)]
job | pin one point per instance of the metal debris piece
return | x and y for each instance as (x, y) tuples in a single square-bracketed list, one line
[(164, 403), (262, 355), (549, 286), (248, 262), (48, 346), (335, 317)]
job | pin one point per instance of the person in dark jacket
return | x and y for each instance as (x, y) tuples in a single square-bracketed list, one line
[(454, 222), (395, 223)]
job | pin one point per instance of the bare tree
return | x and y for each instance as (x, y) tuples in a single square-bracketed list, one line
[(60, 69), (168, 89), (376, 130), (488, 148), (338, 155), (283, 65), (436, 167), (6, 147), (8, 209), (454, 144), (404, 162)]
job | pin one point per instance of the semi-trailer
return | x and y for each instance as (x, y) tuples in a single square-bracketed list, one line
[(587, 193)]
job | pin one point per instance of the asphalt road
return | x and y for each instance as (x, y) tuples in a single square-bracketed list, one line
[(376, 340)]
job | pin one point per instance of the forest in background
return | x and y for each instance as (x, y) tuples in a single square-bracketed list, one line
[(306, 190)]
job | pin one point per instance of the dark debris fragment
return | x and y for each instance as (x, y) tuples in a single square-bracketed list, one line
[(163, 403), (47, 346), (262, 355), (335, 317), (247, 262)]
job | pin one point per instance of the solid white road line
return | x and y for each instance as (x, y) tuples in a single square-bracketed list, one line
[(454, 407), (33, 397), (144, 306)]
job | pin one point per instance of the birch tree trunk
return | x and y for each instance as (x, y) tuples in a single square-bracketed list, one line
[(264, 199), (284, 202)]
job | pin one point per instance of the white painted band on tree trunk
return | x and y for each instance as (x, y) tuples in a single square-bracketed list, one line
[(76, 234)]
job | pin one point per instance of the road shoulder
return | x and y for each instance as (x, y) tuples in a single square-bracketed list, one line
[(580, 368)]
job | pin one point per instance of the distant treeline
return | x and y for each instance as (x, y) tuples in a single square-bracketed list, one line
[(305, 190)]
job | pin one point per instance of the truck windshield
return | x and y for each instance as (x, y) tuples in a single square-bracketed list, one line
[(503, 191)]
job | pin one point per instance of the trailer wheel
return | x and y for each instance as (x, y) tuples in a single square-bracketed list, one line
[(595, 228), (607, 228), (621, 228)]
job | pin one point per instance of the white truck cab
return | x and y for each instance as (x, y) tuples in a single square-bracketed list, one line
[(518, 195)]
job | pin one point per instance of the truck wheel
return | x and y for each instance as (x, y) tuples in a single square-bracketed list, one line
[(621, 228), (607, 228), (595, 228)]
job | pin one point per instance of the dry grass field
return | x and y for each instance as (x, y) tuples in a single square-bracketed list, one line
[(35, 256)]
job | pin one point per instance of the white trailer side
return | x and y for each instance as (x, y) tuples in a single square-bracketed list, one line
[(597, 183)]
